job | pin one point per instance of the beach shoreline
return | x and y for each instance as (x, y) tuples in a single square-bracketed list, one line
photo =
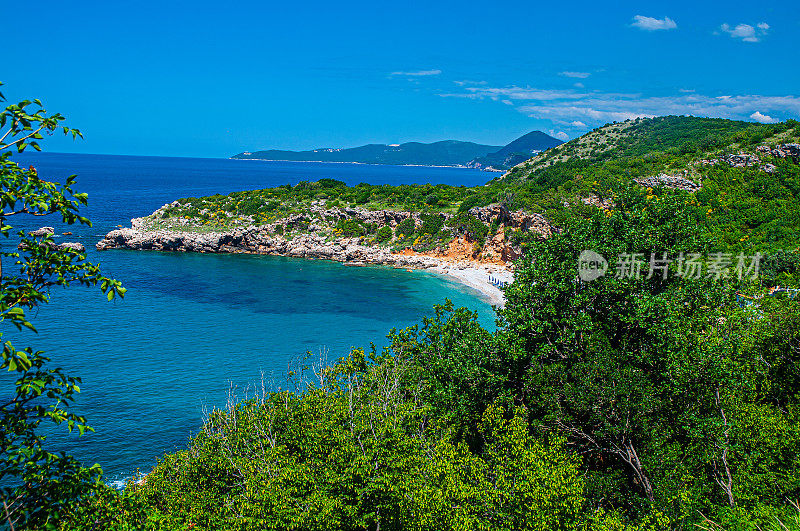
[(348, 251), (477, 277)]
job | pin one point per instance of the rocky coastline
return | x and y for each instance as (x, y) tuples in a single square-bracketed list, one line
[(486, 276)]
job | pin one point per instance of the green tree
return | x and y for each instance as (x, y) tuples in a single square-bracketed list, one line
[(665, 386), (37, 486)]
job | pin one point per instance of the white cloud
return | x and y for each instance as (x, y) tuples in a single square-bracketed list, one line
[(578, 85), (508, 102), (561, 135), (519, 93), (465, 82), (763, 118), (686, 91), (417, 73), (746, 32), (653, 24), (571, 107), (580, 75)]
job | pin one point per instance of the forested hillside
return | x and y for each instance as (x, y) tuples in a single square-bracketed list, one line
[(516, 151), (444, 153)]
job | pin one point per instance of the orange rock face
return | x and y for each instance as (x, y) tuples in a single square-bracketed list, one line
[(495, 251)]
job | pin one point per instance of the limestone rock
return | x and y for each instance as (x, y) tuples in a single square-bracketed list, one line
[(41, 232), (72, 246), (678, 182), (516, 219)]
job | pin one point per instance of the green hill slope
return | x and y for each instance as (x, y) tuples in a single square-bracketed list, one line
[(743, 178), (517, 151), (739, 180)]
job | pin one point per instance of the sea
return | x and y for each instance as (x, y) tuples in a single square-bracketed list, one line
[(195, 331)]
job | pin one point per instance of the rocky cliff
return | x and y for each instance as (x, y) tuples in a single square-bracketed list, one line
[(315, 240)]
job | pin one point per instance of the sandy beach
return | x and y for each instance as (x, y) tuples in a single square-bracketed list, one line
[(477, 276)]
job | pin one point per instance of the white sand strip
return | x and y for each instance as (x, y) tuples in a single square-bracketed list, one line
[(477, 277)]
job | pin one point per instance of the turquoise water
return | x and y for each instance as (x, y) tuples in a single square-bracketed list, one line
[(192, 327)]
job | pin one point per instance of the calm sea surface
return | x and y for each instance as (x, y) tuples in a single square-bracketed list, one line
[(193, 327)]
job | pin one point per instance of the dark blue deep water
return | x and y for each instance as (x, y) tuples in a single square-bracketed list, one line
[(192, 327)]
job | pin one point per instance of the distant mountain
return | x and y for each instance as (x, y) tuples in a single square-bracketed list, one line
[(517, 151), (444, 153)]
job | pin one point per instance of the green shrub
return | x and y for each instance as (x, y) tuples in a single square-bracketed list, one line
[(474, 200), (363, 197), (405, 228), (354, 453), (350, 228), (431, 223), (431, 199), (476, 230), (384, 234)]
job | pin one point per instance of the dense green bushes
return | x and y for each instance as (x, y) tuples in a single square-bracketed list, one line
[(356, 450), (405, 228), (431, 224), (384, 234), (349, 228), (676, 398)]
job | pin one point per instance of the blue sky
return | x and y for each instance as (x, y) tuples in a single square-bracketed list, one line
[(212, 79)]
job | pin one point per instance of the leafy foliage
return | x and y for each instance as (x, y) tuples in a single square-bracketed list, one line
[(350, 228), (357, 449), (384, 234), (405, 228), (676, 398), (38, 487)]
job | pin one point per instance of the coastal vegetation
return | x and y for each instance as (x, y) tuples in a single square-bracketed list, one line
[(623, 403), (744, 196), (38, 486)]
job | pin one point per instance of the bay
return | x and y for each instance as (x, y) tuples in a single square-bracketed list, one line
[(193, 329)]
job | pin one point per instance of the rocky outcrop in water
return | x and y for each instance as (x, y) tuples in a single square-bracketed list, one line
[(72, 246), (45, 232), (41, 232), (66, 246)]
